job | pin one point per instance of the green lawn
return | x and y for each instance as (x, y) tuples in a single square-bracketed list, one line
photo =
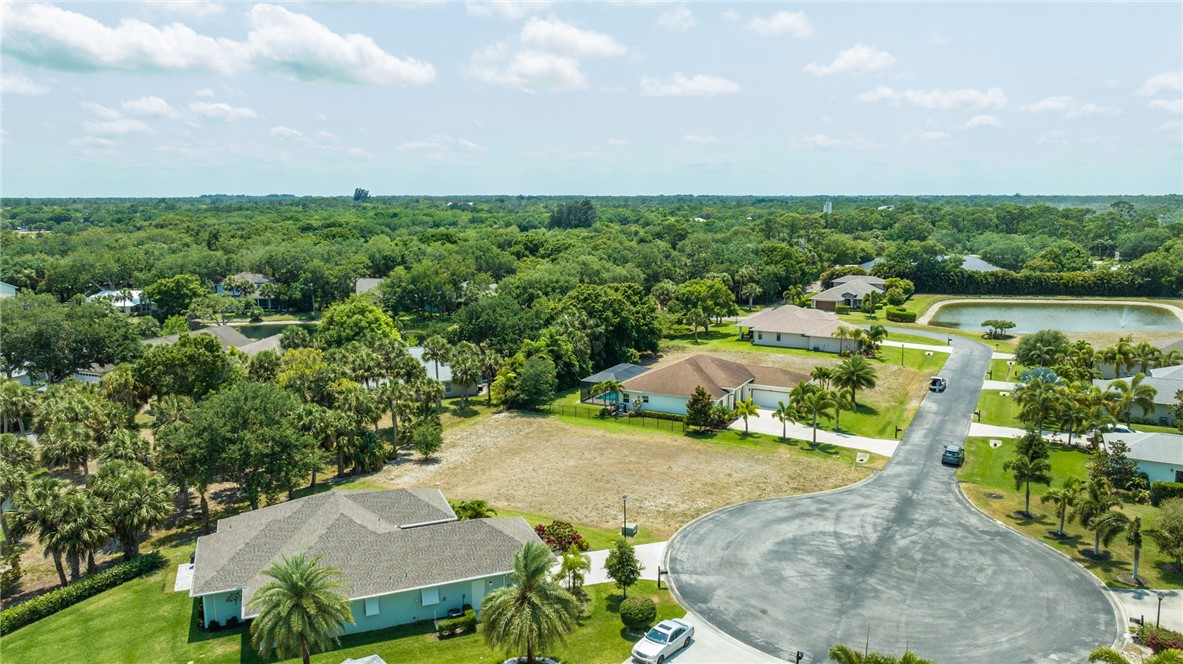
[(145, 621), (999, 410), (993, 490), (999, 370), (598, 539)]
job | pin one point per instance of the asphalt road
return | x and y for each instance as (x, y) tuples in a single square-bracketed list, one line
[(900, 561)]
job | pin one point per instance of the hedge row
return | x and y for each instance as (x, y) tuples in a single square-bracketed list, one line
[(901, 315), (464, 623), (56, 600), (657, 415), (1160, 491)]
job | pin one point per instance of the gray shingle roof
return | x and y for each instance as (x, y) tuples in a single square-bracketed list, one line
[(227, 335), (371, 536), (857, 289), (266, 343), (1152, 446), (793, 320)]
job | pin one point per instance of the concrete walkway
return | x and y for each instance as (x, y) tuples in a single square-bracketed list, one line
[(905, 344), (994, 431), (765, 423), (998, 385), (1143, 603), (184, 580), (1002, 356), (650, 556)]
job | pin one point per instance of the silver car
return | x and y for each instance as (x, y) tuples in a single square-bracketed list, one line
[(666, 638)]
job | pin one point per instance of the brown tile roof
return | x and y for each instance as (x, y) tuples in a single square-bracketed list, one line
[(794, 320), (716, 375), (775, 376)]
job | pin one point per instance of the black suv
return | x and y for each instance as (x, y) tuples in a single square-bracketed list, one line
[(954, 455)]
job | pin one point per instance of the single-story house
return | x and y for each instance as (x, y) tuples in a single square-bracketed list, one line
[(266, 343), (257, 280), (794, 327), (668, 388), (7, 290), (227, 335), (878, 282), (1166, 381), (1159, 455), (94, 373), (126, 302), (970, 262), (443, 373), (403, 555), (850, 293), (365, 285), (621, 372)]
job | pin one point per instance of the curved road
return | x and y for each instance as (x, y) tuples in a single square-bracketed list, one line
[(903, 560)]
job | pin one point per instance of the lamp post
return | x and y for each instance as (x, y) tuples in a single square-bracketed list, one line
[(624, 503), (1161, 595)]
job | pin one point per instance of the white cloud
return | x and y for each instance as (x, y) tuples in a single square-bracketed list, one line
[(731, 16), (929, 136), (699, 139), (529, 71), (16, 84), (287, 133), (55, 38), (982, 121), (93, 142), (1057, 137), (437, 143), (304, 49), (938, 40), (204, 92), (1170, 106), (1068, 107), (945, 100), (827, 142), (791, 23), (1172, 126), (100, 111), (1167, 81), (619, 142), (117, 127), (221, 111), (699, 85), (278, 40), (508, 9), (554, 36), (677, 19), (153, 107), (858, 59), (326, 135), (188, 8)]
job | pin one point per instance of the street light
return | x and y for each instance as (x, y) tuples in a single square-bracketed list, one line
[(624, 502), (1161, 595)]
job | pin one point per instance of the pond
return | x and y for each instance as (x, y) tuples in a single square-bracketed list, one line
[(264, 330), (1064, 316)]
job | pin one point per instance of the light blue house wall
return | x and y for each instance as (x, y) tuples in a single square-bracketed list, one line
[(1160, 472), (390, 610)]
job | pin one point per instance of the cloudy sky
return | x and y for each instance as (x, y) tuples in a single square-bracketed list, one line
[(179, 98)]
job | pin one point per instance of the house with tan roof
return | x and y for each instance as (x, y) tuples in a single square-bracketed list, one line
[(668, 388), (403, 555), (793, 327)]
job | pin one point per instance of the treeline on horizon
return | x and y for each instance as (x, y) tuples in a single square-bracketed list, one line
[(439, 254)]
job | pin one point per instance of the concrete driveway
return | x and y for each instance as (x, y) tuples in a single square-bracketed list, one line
[(764, 422), (901, 561)]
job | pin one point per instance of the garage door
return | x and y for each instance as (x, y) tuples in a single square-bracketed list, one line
[(768, 398)]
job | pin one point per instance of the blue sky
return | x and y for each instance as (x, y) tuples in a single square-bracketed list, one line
[(183, 98)]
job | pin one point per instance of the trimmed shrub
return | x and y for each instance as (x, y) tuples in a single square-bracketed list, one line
[(637, 612), (657, 415), (1160, 491), (1159, 639), (464, 623), (56, 600), (841, 309), (901, 315)]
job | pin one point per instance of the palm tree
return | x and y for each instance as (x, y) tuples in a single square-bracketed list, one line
[(325, 425), (744, 409), (81, 529), (604, 388), (751, 291), (823, 375), (466, 369), (170, 408), (1063, 497), (843, 400), (785, 413), (870, 301), (16, 462), (136, 501), (1106, 527), (15, 401), (1026, 470), (1094, 412), (846, 655), (1111, 656), (491, 362), (533, 614), (1133, 537), (127, 445), (817, 403), (359, 407), (875, 335), (473, 509), (1123, 396), (697, 318), (435, 350), (793, 295), (855, 373), (67, 444), (1097, 498), (300, 608), (1038, 400), (842, 333), (1146, 356), (35, 509)]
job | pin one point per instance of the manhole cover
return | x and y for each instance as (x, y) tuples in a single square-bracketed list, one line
[(849, 566), (994, 496)]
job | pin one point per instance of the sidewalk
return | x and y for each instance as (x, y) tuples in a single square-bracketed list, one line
[(998, 385), (1143, 603), (650, 556), (765, 423)]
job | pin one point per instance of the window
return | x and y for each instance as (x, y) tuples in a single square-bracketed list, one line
[(1179, 476), (760, 336), (645, 399), (778, 336), (371, 606), (624, 397), (431, 596), (447, 388)]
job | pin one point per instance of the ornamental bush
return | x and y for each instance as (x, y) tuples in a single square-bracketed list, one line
[(637, 612), (1159, 639), (560, 536), (841, 309), (56, 600), (1160, 491), (464, 623), (901, 315)]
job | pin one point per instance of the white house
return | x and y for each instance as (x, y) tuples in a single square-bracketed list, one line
[(667, 389), (794, 327), (443, 373), (403, 555), (1166, 381), (7, 290), (126, 302), (1159, 455)]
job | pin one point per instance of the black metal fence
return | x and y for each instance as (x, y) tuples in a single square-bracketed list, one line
[(593, 413)]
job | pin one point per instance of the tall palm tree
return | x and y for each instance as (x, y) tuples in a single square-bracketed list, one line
[(1123, 396), (301, 609), (843, 400), (1111, 656), (1063, 497), (16, 401), (491, 362), (466, 369), (875, 335), (855, 373), (326, 426), (1039, 400), (17, 461), (1094, 412), (1133, 537), (1146, 356), (844, 654), (435, 350), (81, 529), (842, 333), (817, 403), (1097, 498), (533, 614), (359, 407), (1026, 470), (744, 409), (136, 501), (785, 413), (1106, 527), (67, 444), (823, 375), (35, 509)]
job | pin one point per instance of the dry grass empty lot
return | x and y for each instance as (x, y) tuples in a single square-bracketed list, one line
[(544, 465)]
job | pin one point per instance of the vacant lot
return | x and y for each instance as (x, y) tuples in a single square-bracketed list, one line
[(538, 464)]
